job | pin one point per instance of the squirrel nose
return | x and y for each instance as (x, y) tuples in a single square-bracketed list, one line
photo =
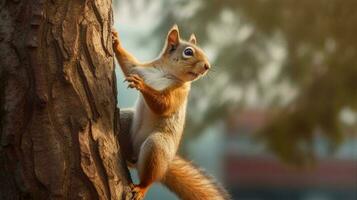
[(206, 66)]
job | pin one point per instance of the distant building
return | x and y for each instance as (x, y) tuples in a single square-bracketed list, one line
[(254, 174)]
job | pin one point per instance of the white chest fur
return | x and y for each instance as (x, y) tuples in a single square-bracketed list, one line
[(154, 77)]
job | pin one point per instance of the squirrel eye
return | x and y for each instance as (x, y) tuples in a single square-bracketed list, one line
[(188, 52)]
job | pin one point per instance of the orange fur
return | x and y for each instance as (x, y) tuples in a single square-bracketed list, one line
[(165, 102), (125, 59), (194, 183)]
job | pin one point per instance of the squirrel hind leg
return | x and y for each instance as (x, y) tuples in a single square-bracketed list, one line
[(156, 153)]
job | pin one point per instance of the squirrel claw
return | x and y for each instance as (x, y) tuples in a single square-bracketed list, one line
[(131, 85), (137, 193), (115, 37), (135, 81), (114, 32)]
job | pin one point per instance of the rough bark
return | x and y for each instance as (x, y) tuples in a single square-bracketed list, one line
[(58, 102)]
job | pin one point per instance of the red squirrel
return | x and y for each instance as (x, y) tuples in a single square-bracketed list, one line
[(155, 127)]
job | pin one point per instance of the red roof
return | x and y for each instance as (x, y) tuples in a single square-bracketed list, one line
[(253, 171)]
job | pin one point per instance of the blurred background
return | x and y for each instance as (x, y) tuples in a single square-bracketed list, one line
[(276, 117)]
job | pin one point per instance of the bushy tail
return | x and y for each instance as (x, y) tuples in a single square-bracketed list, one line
[(191, 183)]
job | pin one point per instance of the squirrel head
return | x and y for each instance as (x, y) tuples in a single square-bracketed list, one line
[(183, 59)]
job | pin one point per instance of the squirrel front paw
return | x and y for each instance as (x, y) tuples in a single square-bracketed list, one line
[(138, 193), (135, 81), (115, 37)]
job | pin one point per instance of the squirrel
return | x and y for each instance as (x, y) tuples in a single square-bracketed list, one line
[(151, 133)]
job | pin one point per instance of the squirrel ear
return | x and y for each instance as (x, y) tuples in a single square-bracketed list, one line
[(193, 39), (173, 37)]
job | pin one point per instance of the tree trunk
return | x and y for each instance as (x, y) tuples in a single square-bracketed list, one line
[(58, 102)]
